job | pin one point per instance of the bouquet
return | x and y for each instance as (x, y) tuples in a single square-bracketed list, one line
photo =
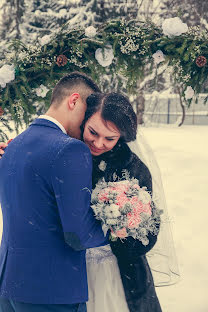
[(126, 209)]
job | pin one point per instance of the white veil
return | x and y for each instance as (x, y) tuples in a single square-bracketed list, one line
[(162, 258)]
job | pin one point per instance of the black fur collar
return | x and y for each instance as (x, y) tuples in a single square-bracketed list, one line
[(118, 157)]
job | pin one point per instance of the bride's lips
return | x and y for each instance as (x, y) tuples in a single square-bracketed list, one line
[(95, 150)]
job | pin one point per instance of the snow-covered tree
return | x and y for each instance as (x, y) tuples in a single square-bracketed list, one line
[(149, 10), (107, 9), (83, 13), (45, 16), (28, 20), (191, 12), (11, 19)]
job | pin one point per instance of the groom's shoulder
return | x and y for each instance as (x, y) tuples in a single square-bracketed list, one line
[(73, 154), (65, 141), (70, 147)]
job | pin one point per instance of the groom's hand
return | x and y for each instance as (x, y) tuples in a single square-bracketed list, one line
[(2, 147)]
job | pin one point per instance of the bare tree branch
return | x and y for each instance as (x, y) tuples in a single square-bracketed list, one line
[(182, 107)]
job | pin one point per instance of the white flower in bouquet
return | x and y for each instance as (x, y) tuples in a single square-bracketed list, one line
[(42, 91), (7, 74), (189, 93), (90, 32), (144, 196), (174, 27), (45, 39), (158, 57), (111, 221), (112, 211), (104, 56), (102, 165), (144, 232)]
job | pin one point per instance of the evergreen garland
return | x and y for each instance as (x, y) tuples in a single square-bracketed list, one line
[(133, 43)]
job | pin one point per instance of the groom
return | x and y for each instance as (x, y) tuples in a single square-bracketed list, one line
[(45, 185)]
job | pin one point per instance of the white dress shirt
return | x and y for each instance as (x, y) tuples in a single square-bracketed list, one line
[(54, 121)]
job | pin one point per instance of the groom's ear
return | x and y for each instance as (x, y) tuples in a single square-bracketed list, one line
[(72, 100)]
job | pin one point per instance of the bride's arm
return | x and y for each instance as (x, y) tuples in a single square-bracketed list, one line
[(130, 250)]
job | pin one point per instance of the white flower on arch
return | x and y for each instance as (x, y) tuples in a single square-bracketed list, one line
[(41, 91), (7, 74), (90, 32), (104, 56), (174, 27), (158, 57)]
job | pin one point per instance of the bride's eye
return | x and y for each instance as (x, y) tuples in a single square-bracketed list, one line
[(108, 139), (92, 132)]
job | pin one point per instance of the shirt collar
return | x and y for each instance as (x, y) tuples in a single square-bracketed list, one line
[(54, 121)]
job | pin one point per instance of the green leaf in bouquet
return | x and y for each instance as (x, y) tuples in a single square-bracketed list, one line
[(127, 208), (113, 238)]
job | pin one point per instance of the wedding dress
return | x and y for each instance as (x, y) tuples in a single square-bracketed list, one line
[(106, 293)]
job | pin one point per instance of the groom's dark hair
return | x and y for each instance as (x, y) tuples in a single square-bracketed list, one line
[(73, 82)]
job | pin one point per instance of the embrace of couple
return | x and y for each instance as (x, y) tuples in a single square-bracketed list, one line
[(54, 255)]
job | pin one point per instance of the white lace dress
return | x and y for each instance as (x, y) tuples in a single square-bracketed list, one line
[(106, 293)]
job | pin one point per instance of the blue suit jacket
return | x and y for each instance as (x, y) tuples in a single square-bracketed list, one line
[(45, 184)]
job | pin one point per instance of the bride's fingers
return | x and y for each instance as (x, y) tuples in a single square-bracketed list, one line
[(1, 152), (2, 147)]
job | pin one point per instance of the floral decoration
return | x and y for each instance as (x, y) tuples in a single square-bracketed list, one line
[(201, 61), (90, 32), (61, 60), (174, 27), (104, 56)]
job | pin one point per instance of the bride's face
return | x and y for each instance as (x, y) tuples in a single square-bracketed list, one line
[(99, 135)]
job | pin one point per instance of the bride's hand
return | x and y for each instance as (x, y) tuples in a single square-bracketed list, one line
[(2, 147)]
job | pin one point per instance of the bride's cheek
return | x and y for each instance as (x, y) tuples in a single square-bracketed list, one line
[(111, 145)]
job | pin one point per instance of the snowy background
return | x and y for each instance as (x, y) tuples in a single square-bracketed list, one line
[(182, 155), (182, 152)]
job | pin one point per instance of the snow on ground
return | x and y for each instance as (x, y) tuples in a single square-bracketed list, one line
[(182, 154)]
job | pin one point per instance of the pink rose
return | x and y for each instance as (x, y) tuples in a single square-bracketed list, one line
[(121, 233), (136, 204), (122, 199), (134, 200), (103, 196), (133, 220), (147, 208)]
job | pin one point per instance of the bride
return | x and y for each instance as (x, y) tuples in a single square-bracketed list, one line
[(119, 276)]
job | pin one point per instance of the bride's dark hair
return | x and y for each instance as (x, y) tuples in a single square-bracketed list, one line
[(116, 108)]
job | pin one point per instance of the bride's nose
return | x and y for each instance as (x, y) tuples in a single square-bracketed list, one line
[(98, 143)]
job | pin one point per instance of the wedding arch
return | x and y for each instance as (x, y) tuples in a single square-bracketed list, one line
[(127, 51)]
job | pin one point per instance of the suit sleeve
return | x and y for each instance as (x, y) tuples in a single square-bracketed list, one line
[(71, 181)]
